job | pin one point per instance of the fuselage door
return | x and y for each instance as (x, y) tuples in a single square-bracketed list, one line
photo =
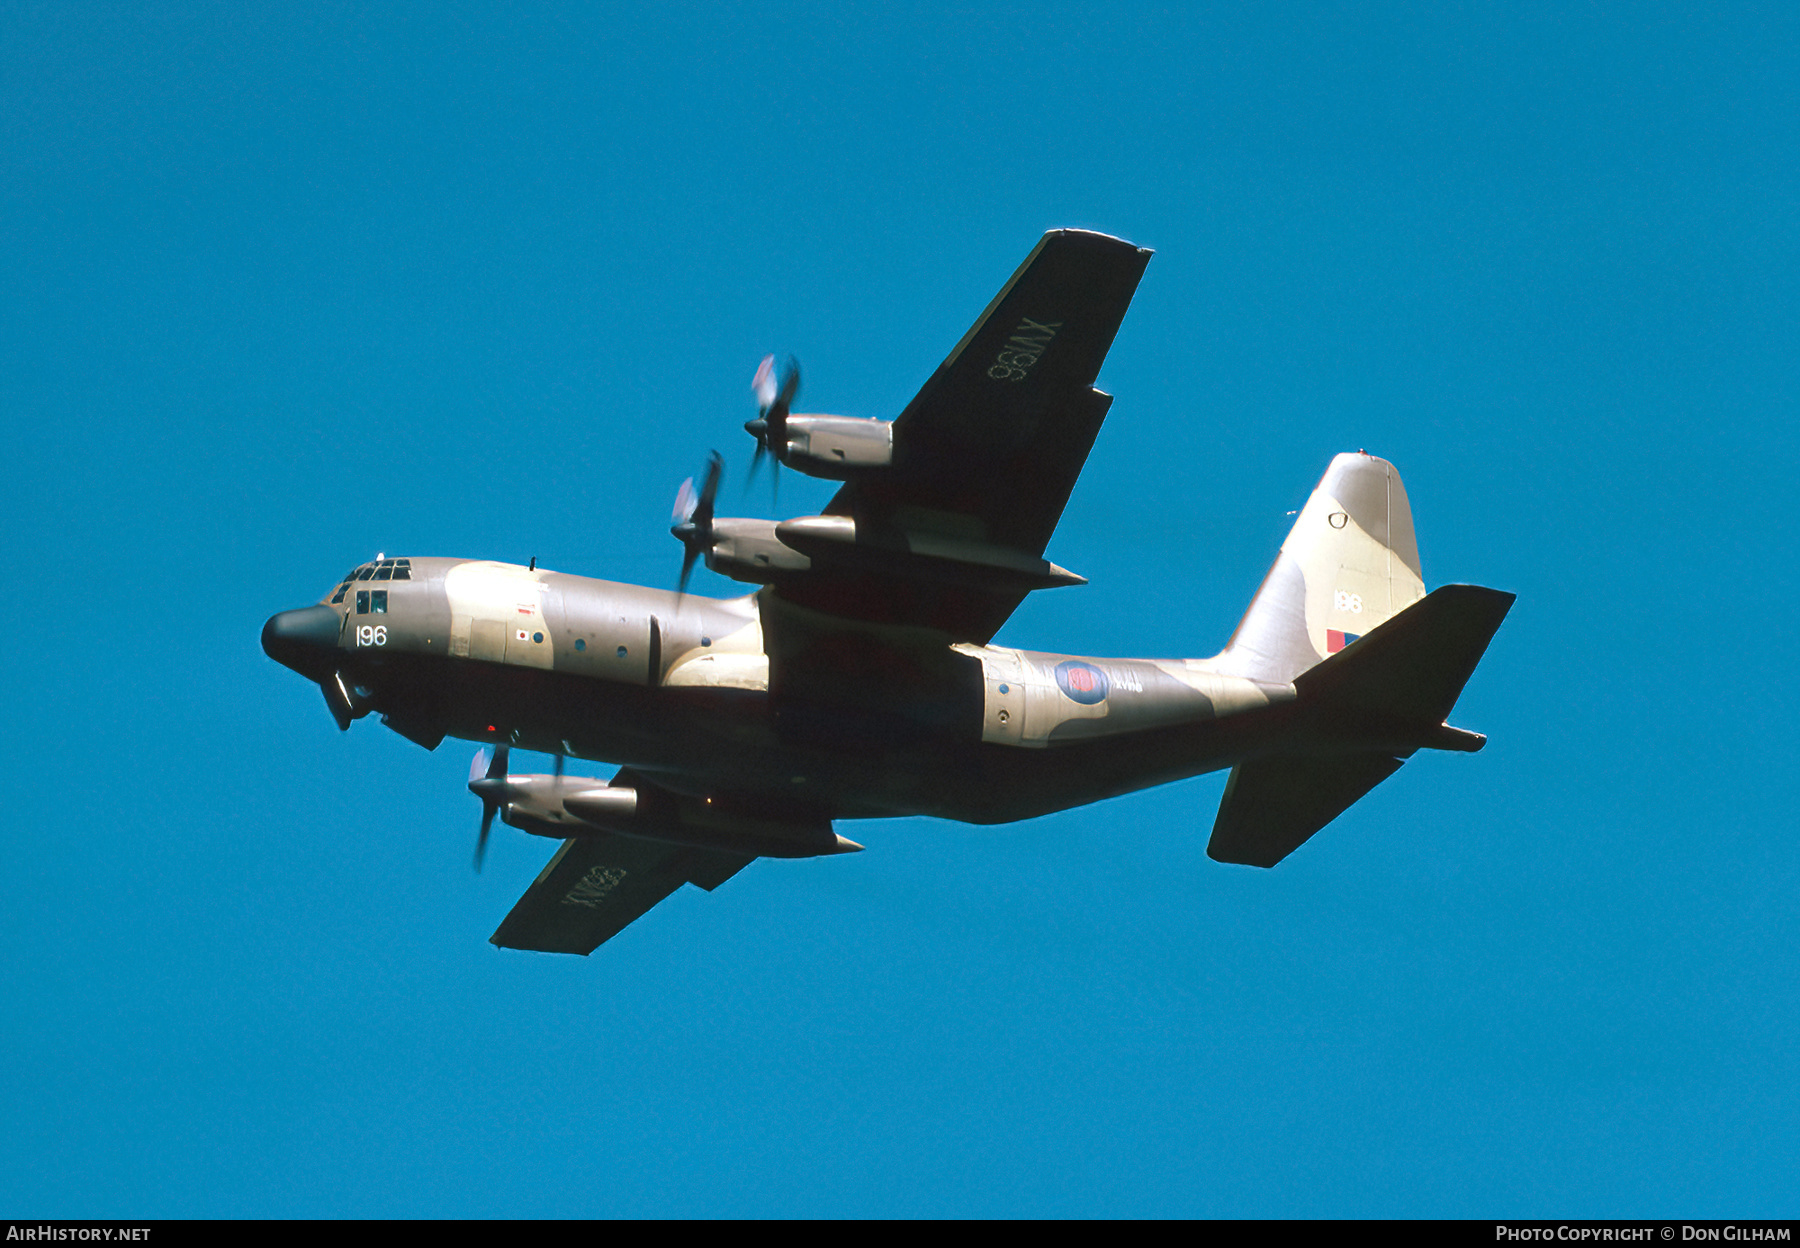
[(497, 614), (1003, 712)]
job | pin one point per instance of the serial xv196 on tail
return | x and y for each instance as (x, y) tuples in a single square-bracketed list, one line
[(861, 680)]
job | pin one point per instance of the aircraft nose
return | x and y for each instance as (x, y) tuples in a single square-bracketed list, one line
[(305, 640)]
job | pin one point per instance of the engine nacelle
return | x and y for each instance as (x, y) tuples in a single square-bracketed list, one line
[(704, 823), (922, 555), (562, 806), (748, 550), (837, 447)]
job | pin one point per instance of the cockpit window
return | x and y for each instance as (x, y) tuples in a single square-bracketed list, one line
[(378, 602), (380, 570), (362, 602)]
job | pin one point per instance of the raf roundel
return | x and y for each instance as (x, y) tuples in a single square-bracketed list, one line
[(1083, 682)]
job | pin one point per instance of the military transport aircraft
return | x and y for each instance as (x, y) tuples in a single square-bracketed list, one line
[(860, 679)]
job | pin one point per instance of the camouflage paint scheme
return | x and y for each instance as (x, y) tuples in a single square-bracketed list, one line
[(860, 679)]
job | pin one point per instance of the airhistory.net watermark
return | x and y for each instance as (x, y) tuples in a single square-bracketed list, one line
[(45, 1233)]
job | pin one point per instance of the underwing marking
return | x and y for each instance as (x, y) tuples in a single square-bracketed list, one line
[(593, 887), (1022, 350)]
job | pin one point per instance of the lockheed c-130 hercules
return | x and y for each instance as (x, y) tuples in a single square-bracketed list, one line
[(861, 680)]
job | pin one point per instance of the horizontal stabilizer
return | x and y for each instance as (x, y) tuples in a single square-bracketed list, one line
[(1272, 805), (1386, 694), (1412, 668)]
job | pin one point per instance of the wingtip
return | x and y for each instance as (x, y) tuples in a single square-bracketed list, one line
[(1097, 237)]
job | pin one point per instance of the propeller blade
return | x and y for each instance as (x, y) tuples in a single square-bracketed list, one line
[(777, 418), (337, 698), (559, 767), (764, 383), (483, 769), (790, 386), (685, 501), (709, 489), (773, 406), (695, 531), (487, 824)]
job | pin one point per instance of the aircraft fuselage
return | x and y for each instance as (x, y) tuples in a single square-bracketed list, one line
[(683, 689)]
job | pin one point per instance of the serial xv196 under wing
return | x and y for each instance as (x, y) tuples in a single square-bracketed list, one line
[(861, 680)]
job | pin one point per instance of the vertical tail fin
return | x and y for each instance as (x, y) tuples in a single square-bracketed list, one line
[(1350, 564)]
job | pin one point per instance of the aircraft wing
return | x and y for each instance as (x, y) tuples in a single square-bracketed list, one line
[(986, 454), (596, 885)]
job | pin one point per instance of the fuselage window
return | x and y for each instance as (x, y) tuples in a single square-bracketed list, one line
[(378, 602), (362, 602)]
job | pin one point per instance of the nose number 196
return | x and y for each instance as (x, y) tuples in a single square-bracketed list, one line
[(371, 634)]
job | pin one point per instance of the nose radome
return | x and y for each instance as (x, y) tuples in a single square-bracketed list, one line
[(303, 639)]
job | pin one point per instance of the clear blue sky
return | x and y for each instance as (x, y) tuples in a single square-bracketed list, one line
[(282, 287)]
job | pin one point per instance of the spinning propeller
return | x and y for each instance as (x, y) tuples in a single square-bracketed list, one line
[(693, 516), (488, 781), (773, 405)]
